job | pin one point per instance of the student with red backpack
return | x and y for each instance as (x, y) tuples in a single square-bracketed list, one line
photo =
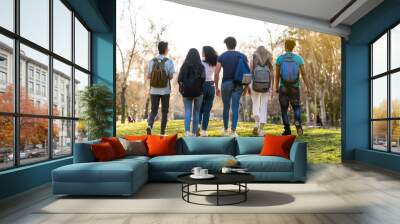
[(191, 79), (160, 71), (289, 66)]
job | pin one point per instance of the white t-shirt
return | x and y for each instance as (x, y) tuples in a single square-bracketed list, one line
[(209, 70)]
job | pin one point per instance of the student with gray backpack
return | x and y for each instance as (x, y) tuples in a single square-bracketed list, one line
[(289, 67), (260, 87)]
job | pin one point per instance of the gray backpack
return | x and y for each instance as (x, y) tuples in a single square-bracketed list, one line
[(261, 78)]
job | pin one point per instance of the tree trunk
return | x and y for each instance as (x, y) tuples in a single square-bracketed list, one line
[(146, 109), (316, 108), (308, 111), (123, 102), (322, 108)]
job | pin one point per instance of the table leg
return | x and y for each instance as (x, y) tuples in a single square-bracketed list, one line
[(217, 194), (245, 193), (196, 187), (188, 190)]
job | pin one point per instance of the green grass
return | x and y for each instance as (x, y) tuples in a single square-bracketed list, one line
[(323, 144)]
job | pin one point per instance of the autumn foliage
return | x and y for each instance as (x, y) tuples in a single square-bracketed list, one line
[(33, 131)]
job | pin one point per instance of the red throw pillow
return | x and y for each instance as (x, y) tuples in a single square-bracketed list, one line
[(277, 145), (103, 152), (161, 145), (116, 145)]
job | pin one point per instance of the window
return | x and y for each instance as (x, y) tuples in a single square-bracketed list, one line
[(6, 73), (6, 142), (37, 75), (81, 45), (47, 77), (62, 74), (35, 21), (3, 61), (3, 78), (37, 90), (44, 91), (62, 29), (30, 87), (7, 14), (385, 95), (81, 82), (62, 137), (30, 72), (34, 145), (3, 71)]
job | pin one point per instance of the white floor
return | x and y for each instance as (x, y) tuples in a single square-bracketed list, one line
[(377, 190)]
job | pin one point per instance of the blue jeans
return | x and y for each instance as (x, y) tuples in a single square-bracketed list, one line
[(231, 94), (290, 95), (188, 103), (208, 99)]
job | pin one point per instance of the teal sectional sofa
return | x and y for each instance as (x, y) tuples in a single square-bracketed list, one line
[(125, 176)]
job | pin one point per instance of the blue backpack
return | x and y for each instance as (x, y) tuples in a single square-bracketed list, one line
[(289, 69), (242, 74)]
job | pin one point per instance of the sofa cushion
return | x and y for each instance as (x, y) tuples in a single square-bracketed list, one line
[(116, 145), (277, 145), (103, 152), (185, 163), (112, 171), (83, 153), (249, 145), (136, 147), (159, 145), (257, 163), (209, 145)]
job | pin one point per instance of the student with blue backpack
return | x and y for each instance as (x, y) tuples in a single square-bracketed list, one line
[(235, 74), (289, 67)]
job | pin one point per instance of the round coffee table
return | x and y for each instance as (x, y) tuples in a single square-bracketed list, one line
[(238, 179)]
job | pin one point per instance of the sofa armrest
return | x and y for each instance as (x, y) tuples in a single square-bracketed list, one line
[(83, 152), (298, 155)]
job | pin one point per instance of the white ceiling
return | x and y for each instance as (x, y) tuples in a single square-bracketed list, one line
[(311, 14)]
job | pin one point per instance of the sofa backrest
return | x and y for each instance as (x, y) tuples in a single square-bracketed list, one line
[(249, 145), (83, 152), (208, 145)]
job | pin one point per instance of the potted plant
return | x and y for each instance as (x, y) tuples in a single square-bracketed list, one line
[(96, 102)]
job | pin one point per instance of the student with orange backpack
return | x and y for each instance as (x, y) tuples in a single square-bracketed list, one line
[(160, 71)]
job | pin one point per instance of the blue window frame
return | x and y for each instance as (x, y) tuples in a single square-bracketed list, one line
[(38, 126)]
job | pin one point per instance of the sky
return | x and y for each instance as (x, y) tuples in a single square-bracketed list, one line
[(190, 27)]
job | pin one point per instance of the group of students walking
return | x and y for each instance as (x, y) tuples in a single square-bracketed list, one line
[(199, 79)]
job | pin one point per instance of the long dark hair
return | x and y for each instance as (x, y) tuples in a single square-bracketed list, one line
[(193, 60), (210, 55)]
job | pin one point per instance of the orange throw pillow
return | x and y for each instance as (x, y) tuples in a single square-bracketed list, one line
[(161, 145), (277, 145), (136, 137), (116, 145), (103, 152)]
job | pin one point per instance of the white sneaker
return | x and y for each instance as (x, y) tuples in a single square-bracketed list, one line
[(203, 133), (187, 134), (234, 134), (226, 133), (261, 133)]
